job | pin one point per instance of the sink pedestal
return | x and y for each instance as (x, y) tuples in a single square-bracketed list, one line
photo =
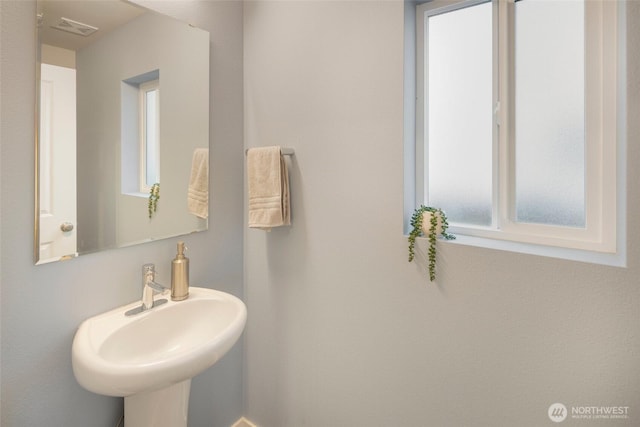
[(167, 407), (150, 357)]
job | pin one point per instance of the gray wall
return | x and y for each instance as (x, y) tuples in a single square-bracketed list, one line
[(43, 305), (342, 330)]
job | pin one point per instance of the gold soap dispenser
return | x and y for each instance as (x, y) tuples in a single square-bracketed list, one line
[(180, 275)]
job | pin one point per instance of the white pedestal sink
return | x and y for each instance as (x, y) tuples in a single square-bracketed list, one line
[(149, 358)]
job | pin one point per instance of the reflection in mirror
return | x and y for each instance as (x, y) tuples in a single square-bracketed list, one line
[(123, 135)]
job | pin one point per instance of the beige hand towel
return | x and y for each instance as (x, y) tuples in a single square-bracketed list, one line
[(198, 192), (268, 186)]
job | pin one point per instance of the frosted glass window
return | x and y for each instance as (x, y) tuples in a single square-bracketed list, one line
[(550, 112), (460, 114), (517, 112)]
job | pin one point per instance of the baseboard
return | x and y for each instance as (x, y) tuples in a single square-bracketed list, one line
[(243, 422)]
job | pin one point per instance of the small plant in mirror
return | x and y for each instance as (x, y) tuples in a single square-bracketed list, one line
[(154, 196), (437, 226)]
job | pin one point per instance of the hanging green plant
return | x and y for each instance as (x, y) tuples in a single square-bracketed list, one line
[(154, 196), (438, 225)]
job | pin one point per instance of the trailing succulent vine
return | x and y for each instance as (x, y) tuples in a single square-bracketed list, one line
[(154, 196), (416, 231)]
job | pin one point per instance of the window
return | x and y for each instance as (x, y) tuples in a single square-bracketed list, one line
[(149, 134), (140, 133), (516, 125)]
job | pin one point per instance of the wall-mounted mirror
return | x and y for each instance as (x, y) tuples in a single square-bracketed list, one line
[(123, 112)]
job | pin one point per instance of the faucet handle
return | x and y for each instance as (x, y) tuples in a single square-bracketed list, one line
[(148, 268), (149, 278)]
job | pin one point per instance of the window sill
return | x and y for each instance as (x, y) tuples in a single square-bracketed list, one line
[(610, 259), (136, 194)]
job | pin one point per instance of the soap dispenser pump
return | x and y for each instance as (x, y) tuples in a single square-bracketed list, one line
[(180, 275)]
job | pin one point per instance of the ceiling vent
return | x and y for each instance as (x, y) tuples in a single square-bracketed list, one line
[(74, 27)]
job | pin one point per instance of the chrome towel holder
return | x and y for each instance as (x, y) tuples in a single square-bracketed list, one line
[(284, 150)]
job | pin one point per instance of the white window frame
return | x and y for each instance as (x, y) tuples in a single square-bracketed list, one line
[(604, 197), (148, 86)]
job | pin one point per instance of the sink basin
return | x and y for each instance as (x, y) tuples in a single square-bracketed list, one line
[(118, 355)]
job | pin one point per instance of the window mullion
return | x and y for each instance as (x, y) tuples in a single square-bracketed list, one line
[(503, 170)]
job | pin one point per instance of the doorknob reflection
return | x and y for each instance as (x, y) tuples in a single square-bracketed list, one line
[(66, 227)]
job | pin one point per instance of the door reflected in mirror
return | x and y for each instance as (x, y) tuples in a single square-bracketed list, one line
[(123, 123)]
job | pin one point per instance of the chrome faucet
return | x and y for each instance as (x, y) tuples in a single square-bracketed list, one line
[(149, 286)]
